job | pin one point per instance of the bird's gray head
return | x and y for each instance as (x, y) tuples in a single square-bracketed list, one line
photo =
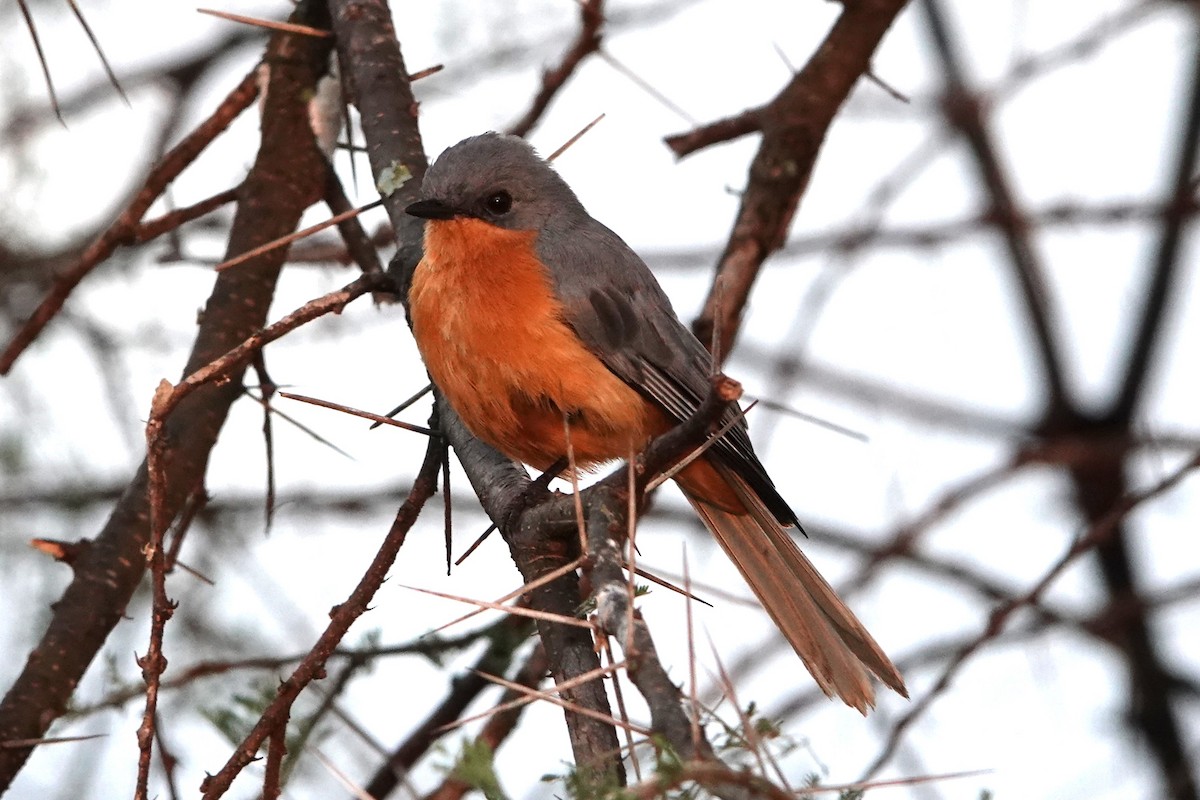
[(498, 179)]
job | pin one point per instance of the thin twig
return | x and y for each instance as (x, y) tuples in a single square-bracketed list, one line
[(283, 241), (269, 24), (379, 420)]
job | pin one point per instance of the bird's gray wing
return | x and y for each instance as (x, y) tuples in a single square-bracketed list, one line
[(615, 305)]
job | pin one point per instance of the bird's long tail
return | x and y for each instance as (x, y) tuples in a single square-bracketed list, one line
[(832, 643)]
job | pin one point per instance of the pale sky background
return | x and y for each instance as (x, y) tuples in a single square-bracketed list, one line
[(1043, 714)]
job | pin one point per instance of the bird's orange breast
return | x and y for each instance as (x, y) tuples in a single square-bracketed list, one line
[(494, 339)]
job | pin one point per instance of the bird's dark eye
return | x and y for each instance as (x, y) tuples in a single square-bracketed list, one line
[(498, 202)]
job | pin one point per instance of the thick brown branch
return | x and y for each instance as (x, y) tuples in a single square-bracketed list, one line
[(379, 83)]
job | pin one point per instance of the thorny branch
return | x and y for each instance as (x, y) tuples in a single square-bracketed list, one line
[(274, 196), (342, 617)]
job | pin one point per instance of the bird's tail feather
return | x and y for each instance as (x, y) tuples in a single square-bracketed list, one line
[(832, 643)]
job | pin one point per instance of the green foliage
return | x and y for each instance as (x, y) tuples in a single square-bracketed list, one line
[(735, 745), (583, 784), (13, 454), (236, 719), (476, 767), (667, 763)]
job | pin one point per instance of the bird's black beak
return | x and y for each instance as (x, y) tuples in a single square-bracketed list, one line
[(431, 209)]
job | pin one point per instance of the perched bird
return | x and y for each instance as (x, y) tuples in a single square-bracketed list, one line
[(527, 310)]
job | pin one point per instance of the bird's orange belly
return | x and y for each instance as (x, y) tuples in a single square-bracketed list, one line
[(495, 342)]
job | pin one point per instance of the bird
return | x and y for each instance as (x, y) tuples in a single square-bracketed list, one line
[(527, 311)]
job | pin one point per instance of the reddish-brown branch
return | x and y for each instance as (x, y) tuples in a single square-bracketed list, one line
[(276, 751), (154, 228), (722, 130), (343, 616), (154, 663), (125, 229)]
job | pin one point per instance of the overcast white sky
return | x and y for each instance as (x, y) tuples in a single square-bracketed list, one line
[(1044, 715)]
